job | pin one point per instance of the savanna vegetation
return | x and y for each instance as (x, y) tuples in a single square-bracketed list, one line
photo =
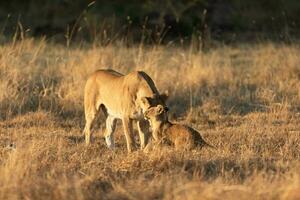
[(245, 100), (232, 71)]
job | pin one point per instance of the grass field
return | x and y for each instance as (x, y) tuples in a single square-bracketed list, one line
[(245, 100)]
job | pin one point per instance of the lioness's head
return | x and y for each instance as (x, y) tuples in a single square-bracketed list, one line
[(156, 100)]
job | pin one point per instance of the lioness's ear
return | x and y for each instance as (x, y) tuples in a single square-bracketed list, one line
[(164, 97), (146, 101)]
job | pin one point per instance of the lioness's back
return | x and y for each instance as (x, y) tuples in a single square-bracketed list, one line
[(104, 75)]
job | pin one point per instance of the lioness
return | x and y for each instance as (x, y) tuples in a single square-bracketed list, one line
[(181, 136), (125, 97)]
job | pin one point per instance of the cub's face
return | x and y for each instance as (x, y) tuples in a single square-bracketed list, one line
[(157, 115)]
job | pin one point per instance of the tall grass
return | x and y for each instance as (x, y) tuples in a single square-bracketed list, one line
[(36, 75), (244, 99)]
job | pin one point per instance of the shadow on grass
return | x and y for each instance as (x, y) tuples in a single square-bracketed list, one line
[(240, 170), (75, 139)]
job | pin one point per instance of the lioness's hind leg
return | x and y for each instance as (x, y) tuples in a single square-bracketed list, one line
[(109, 133), (89, 118)]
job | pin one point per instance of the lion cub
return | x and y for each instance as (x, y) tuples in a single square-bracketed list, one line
[(181, 136)]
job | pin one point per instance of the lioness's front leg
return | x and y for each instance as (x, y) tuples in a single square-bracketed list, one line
[(109, 132), (143, 128), (127, 125)]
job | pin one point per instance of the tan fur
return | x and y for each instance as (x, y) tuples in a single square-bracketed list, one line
[(181, 136), (124, 97)]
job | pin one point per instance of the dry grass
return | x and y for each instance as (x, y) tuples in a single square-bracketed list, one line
[(245, 100)]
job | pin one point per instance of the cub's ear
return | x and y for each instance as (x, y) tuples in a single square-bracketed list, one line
[(164, 97), (146, 101), (159, 109), (154, 111)]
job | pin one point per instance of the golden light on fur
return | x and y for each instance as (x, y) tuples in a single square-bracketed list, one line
[(119, 96)]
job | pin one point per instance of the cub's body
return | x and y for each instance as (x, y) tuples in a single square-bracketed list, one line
[(181, 136)]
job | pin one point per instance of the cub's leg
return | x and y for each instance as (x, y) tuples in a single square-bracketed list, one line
[(155, 135), (143, 128), (110, 129), (127, 125)]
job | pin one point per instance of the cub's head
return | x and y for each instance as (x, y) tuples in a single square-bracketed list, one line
[(157, 115)]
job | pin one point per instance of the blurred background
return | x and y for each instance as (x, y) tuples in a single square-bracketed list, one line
[(151, 21)]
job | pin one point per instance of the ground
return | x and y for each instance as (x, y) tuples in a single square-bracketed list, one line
[(244, 100)]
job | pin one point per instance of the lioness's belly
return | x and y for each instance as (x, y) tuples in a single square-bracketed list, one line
[(114, 113), (135, 115)]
